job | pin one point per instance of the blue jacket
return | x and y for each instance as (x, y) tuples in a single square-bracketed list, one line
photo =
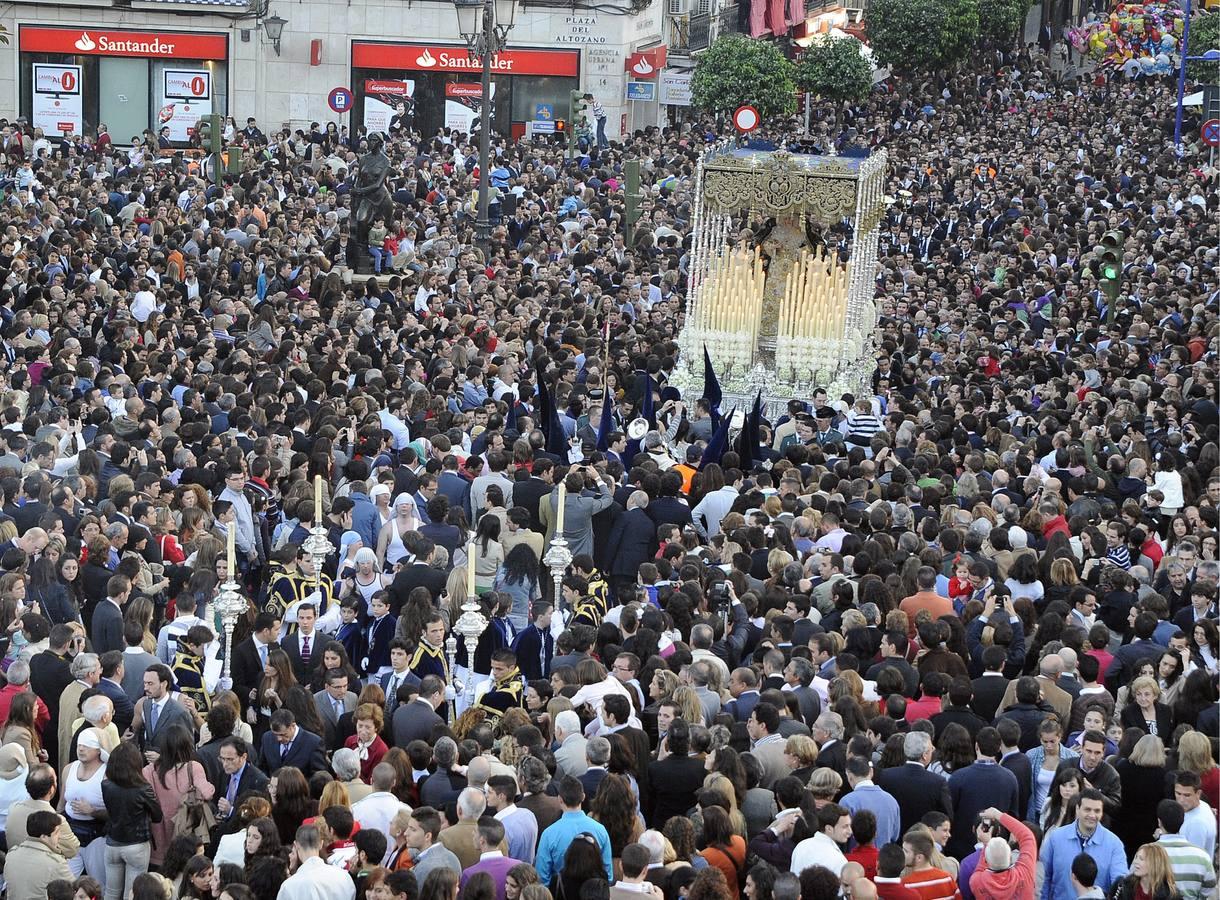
[(554, 843), (973, 789), (366, 521), (1064, 845)]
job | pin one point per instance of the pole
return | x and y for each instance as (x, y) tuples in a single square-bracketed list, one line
[(483, 223), (808, 112), (1184, 51)]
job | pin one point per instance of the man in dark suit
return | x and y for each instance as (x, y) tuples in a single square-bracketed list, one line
[(415, 721), (827, 730), (304, 646), (961, 692), (332, 702), (798, 675), (535, 647), (250, 656), (240, 775), (157, 711), (529, 493), (452, 485), (288, 744), (674, 781), (974, 788), (743, 685), (111, 686), (917, 790), (107, 630), (989, 687), (420, 573), (894, 655), (1012, 759), (50, 675), (1127, 658), (597, 755)]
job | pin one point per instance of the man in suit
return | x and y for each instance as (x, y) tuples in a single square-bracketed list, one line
[(332, 702), (529, 493), (135, 661), (535, 645), (917, 790), (827, 730), (108, 615), (250, 656), (288, 744), (50, 675), (420, 573), (570, 758), (1049, 669), (597, 757), (743, 685), (452, 485), (989, 688), (798, 679), (974, 788), (767, 743), (700, 676), (416, 720), (302, 646), (157, 712), (1127, 658), (894, 655), (111, 685), (86, 672), (534, 781), (240, 776)]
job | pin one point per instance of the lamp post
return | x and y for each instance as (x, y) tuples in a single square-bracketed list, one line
[(484, 26)]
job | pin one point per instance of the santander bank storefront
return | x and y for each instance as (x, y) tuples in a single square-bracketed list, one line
[(431, 86), (72, 78)]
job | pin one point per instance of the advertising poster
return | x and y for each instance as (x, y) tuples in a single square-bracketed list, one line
[(676, 88), (57, 99), (388, 104), (186, 95), (462, 105)]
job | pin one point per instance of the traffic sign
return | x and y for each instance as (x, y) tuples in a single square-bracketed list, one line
[(1211, 132), (340, 99), (544, 126), (544, 112), (746, 119)]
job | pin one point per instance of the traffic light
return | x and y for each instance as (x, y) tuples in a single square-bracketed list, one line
[(632, 200), (1110, 269), (578, 117)]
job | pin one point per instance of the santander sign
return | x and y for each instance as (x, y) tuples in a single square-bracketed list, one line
[(146, 44), (434, 58)]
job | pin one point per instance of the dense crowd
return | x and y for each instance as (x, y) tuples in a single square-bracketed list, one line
[(955, 637)]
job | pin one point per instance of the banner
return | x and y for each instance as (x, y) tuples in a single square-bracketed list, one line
[(463, 104), (387, 104), (186, 95), (57, 99)]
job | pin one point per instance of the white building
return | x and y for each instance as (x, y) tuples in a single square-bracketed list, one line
[(136, 64)]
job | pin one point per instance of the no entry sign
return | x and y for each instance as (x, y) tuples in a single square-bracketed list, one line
[(746, 119)]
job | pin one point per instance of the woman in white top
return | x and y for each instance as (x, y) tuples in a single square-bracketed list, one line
[(488, 553), (365, 579), (80, 801), (390, 546), (1168, 481)]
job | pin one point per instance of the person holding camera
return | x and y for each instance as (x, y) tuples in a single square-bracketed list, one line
[(1001, 874)]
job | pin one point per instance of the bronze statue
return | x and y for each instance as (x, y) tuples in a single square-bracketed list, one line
[(370, 199)]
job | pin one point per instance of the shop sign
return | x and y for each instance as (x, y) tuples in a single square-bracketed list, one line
[(464, 90), (57, 99), (646, 63), (433, 58), (145, 44), (675, 88), (580, 30)]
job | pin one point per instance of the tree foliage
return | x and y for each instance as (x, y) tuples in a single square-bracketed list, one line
[(1000, 21), (737, 70), (835, 69), (922, 35), (1204, 36)]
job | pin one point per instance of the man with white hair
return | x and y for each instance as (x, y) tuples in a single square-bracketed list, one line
[(96, 712), (917, 790), (570, 757), (346, 766), (459, 838), (654, 842), (999, 876), (1069, 680)]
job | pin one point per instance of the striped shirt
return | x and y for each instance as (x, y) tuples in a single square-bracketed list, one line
[(932, 884), (1192, 868), (862, 426)]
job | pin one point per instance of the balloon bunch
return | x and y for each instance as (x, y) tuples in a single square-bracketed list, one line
[(1136, 37)]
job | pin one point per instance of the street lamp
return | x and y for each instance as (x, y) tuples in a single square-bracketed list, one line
[(484, 26), (274, 27)]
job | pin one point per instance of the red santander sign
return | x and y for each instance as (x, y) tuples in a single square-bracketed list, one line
[(112, 42), (434, 58)]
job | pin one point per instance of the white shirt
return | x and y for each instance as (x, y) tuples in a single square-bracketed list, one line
[(399, 433), (1199, 827), (818, 850), (143, 305), (315, 880), (377, 810)]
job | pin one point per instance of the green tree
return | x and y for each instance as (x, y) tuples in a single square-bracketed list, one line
[(922, 35), (737, 70), (1204, 36), (834, 69), (1001, 20)]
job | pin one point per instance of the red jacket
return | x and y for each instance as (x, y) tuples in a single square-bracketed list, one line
[(41, 714), (1016, 883), (893, 889)]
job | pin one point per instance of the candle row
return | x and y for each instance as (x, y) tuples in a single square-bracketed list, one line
[(733, 295), (815, 297)]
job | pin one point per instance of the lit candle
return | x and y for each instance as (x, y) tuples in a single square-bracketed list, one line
[(470, 592), (563, 499), (317, 500), (232, 553)]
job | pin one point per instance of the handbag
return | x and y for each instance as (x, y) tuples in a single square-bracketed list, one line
[(194, 816)]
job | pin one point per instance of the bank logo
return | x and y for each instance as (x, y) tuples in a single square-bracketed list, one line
[(84, 43), (643, 67), (425, 60)]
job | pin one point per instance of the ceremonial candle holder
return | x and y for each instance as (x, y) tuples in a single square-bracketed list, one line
[(470, 625), (451, 652), (557, 559), (318, 546), (230, 606)]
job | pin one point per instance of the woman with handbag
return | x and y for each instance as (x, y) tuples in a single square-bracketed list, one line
[(179, 781)]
